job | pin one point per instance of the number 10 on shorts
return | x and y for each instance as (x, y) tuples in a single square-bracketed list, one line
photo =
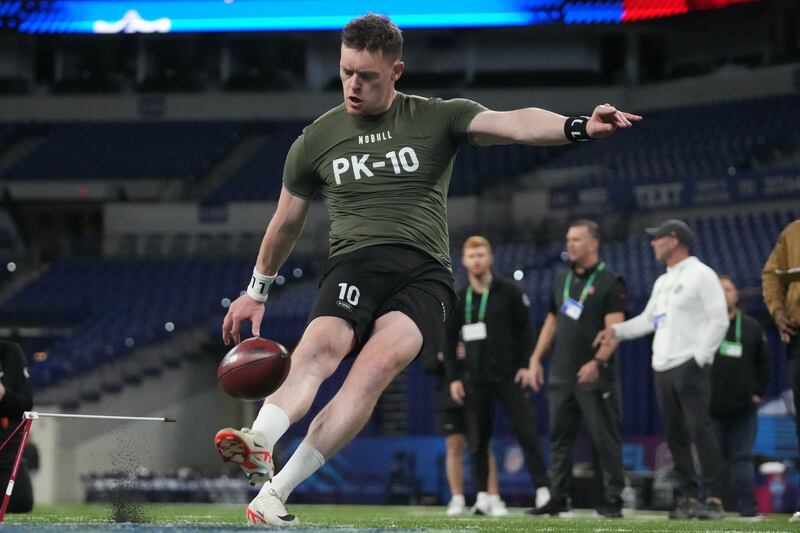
[(349, 293)]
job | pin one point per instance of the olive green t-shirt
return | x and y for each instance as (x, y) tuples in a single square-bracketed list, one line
[(384, 177)]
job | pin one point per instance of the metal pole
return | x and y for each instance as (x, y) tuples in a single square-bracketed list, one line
[(35, 415), (30, 416), (17, 461)]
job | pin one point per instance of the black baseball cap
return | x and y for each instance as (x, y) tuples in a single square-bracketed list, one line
[(675, 227)]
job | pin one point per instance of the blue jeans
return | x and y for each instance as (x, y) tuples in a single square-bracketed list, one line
[(736, 436)]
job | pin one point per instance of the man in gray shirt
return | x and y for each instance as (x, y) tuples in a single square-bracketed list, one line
[(583, 380)]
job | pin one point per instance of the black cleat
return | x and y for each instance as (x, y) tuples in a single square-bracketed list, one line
[(610, 509), (554, 507)]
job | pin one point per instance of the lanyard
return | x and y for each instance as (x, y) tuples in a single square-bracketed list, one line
[(481, 307), (738, 326), (586, 288)]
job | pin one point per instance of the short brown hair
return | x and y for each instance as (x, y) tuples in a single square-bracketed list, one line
[(476, 241), (592, 227), (372, 33)]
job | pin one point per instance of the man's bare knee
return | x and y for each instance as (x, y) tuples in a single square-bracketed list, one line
[(315, 359), (389, 365), (325, 343), (386, 354), (456, 443), (370, 376)]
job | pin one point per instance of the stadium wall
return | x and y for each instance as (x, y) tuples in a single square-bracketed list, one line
[(719, 87), (172, 218), (190, 218), (464, 212), (71, 449)]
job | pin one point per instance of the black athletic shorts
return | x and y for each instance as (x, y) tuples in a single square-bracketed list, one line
[(450, 417), (451, 421), (365, 284)]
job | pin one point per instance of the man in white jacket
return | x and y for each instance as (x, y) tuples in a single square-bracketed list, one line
[(688, 313)]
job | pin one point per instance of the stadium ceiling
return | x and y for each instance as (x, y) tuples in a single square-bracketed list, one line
[(164, 16)]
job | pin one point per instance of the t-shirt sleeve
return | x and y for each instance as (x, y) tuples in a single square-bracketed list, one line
[(616, 298), (457, 115), (298, 175)]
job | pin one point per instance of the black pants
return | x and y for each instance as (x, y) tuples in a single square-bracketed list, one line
[(793, 353), (22, 496), (736, 435), (479, 409), (599, 407), (683, 394)]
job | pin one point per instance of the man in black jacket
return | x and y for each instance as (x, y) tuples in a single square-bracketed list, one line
[(739, 377), (16, 397), (493, 321), (583, 383)]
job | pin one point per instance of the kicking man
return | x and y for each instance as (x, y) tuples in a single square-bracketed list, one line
[(383, 161)]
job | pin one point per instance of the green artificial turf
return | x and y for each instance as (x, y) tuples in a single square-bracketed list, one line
[(219, 517)]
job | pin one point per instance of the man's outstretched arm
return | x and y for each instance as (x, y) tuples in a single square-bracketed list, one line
[(282, 233), (544, 128)]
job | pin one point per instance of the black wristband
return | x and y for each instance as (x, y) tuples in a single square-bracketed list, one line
[(600, 362), (575, 129)]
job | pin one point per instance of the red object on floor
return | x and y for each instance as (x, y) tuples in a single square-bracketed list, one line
[(17, 461)]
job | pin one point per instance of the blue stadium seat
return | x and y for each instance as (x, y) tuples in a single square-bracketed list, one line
[(119, 150), (114, 305), (682, 143)]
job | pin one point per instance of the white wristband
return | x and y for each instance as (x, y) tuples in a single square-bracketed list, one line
[(258, 289)]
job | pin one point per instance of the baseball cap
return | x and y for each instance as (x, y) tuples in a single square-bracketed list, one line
[(675, 227)]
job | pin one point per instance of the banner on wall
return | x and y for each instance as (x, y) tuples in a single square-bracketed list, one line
[(743, 187)]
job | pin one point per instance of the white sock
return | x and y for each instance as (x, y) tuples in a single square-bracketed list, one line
[(458, 499), (304, 461), (494, 498), (272, 422), (542, 496)]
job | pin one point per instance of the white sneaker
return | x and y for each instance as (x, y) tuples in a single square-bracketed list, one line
[(795, 517), (497, 505), (542, 496), (248, 449), (456, 506), (482, 505), (268, 510)]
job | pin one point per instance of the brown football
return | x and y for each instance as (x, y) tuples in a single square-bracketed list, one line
[(253, 369)]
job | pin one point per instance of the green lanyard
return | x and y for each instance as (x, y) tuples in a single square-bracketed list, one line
[(586, 288), (481, 307), (738, 326)]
